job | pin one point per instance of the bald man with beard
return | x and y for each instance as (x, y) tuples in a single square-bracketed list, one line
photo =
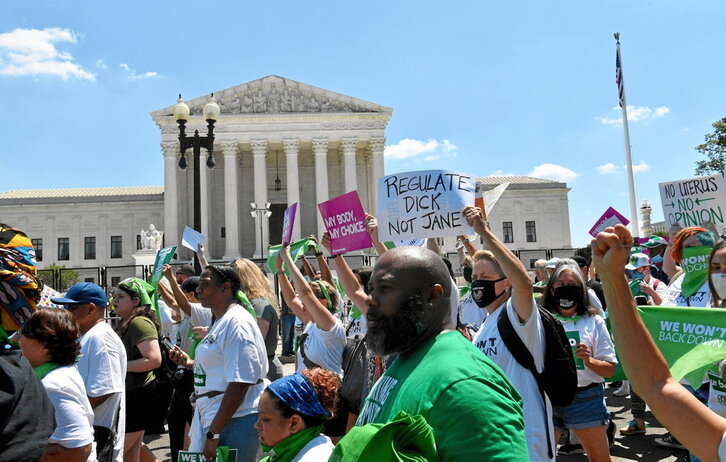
[(473, 409)]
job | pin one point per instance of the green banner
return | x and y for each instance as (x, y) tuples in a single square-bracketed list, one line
[(297, 249), (163, 257), (690, 339), (224, 454), (574, 338)]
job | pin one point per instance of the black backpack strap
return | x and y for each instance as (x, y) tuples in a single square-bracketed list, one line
[(519, 351)]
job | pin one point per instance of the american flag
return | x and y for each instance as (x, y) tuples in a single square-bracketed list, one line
[(619, 78)]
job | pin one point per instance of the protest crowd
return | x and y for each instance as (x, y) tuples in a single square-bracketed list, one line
[(399, 361)]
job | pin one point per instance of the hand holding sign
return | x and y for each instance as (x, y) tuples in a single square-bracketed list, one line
[(475, 218), (287, 225)]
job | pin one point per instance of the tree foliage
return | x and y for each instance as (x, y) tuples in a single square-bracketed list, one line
[(714, 149), (58, 277)]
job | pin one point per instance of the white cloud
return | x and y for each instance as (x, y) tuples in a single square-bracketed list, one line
[(408, 148), (33, 52), (500, 173), (553, 172), (133, 75), (101, 64), (641, 167), (607, 169), (637, 114)]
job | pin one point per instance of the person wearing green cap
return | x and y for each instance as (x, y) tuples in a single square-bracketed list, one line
[(139, 334)]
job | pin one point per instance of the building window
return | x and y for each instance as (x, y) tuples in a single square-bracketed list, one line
[(508, 232), (89, 248), (63, 248), (38, 246), (531, 231), (531, 262), (115, 280), (138, 242), (116, 247), (223, 232), (90, 280)]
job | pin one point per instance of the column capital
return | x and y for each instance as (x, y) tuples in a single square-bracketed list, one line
[(291, 145), (259, 147), (229, 147), (377, 144), (348, 145), (320, 145), (170, 148)]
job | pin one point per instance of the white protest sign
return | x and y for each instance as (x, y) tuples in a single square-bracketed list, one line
[(191, 238), (423, 204), (693, 201)]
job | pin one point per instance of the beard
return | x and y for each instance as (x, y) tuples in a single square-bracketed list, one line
[(395, 334)]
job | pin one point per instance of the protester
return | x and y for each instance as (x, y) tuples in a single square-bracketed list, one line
[(229, 370), (639, 270), (473, 409), (701, 430), (186, 271), (139, 333), (587, 415), (49, 342), (717, 284), (258, 289), (656, 247), (540, 273), (292, 411), (500, 281), (102, 366)]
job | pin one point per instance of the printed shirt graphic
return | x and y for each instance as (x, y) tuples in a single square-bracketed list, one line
[(455, 389), (674, 296), (574, 338)]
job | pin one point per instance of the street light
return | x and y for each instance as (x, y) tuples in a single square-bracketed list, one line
[(181, 115), (260, 212)]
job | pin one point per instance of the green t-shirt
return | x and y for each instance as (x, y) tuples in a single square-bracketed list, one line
[(140, 329), (474, 410)]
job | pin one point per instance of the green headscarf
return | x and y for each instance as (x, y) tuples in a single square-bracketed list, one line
[(695, 267), (146, 293), (287, 449)]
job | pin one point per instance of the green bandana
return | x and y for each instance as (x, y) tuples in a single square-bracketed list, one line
[(695, 267), (635, 287), (43, 370), (297, 249), (245, 302), (464, 291), (287, 449)]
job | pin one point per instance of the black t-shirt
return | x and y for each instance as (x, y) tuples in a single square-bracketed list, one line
[(597, 288), (27, 418)]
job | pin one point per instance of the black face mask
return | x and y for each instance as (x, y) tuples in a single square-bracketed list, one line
[(468, 270), (483, 292), (567, 297)]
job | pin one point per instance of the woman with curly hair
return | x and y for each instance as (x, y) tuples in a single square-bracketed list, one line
[(689, 249), (259, 291), (49, 341), (292, 411), (139, 334)]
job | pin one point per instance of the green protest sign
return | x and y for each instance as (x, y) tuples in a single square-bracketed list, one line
[(163, 257), (224, 454), (574, 338)]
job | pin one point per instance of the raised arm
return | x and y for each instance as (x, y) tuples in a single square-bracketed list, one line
[(288, 293), (510, 264), (323, 318), (372, 227), (179, 297), (356, 293), (692, 423), (168, 297), (670, 267), (433, 245), (325, 273), (203, 263), (307, 269)]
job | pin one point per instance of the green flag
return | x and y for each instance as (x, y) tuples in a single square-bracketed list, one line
[(297, 249), (163, 257)]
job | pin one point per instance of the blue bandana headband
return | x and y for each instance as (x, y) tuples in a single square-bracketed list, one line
[(296, 392)]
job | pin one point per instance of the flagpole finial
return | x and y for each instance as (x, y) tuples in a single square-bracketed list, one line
[(617, 36)]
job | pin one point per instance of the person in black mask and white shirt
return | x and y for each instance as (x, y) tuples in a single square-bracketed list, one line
[(500, 281)]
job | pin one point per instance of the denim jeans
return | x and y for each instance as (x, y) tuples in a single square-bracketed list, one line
[(240, 434), (288, 334)]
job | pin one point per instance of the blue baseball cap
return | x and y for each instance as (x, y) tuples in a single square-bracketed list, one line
[(83, 292)]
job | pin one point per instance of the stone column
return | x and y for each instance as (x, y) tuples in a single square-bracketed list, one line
[(376, 146), (231, 205), (170, 150), (320, 148), (348, 146), (259, 153), (292, 149)]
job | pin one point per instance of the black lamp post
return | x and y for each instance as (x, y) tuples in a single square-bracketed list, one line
[(260, 211), (181, 115)]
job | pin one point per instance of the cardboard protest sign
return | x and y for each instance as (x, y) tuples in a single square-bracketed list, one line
[(163, 257), (344, 219), (694, 201), (288, 223), (191, 238), (423, 204), (611, 217)]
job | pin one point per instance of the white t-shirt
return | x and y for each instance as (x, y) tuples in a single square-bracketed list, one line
[(73, 413), (593, 332), (200, 317), (167, 324), (594, 301), (470, 313), (324, 348), (674, 296), (102, 367), (536, 413), (317, 449), (232, 351)]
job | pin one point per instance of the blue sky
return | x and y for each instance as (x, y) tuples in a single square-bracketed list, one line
[(490, 87)]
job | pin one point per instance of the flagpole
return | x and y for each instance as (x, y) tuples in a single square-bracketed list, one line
[(626, 133)]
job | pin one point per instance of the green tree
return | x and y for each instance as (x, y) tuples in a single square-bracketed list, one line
[(714, 149), (58, 276)]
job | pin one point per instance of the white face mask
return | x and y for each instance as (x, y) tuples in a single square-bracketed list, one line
[(719, 283)]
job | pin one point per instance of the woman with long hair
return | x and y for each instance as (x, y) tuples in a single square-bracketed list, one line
[(566, 297), (49, 341), (259, 291), (229, 370), (139, 332)]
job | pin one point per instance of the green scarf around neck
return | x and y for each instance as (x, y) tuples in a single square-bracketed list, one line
[(695, 267), (287, 449), (43, 370)]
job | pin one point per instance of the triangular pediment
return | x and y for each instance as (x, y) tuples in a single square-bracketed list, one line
[(277, 95)]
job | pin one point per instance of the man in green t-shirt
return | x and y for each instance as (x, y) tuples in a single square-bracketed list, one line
[(475, 412)]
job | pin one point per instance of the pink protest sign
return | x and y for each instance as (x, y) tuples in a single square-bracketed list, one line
[(345, 221), (611, 217), (288, 223)]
